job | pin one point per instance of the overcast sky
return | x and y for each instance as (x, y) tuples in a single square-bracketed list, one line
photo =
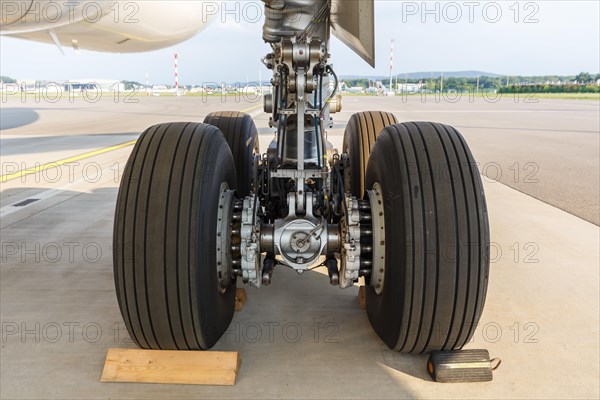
[(549, 37)]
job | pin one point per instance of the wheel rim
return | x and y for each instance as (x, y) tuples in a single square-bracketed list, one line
[(224, 219), (378, 224)]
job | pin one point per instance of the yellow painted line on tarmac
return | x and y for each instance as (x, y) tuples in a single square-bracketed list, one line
[(39, 168), (252, 108)]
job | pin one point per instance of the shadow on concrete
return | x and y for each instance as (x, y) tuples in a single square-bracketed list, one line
[(31, 144), (11, 118), (414, 365)]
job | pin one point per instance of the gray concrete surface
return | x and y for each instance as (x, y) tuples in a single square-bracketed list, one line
[(300, 337), (546, 148)]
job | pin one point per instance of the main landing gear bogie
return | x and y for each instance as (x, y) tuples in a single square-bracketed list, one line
[(402, 205), (184, 232)]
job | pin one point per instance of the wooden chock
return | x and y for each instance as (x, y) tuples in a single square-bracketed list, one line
[(240, 298), (362, 299), (171, 367)]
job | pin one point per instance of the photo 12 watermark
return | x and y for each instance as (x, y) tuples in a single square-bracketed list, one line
[(322, 332), (453, 12), (57, 13)]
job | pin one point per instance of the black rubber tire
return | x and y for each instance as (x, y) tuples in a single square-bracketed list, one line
[(359, 138), (164, 238), (437, 238), (242, 136)]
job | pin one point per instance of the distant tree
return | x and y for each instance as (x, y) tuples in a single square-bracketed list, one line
[(583, 77), (433, 84), (487, 82), (132, 85), (7, 79)]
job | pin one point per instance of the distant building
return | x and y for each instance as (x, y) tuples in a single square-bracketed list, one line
[(249, 89), (101, 85), (27, 85), (410, 87), (356, 89)]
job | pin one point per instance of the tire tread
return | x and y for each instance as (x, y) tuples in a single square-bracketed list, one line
[(160, 279), (360, 136), (241, 135), (437, 294)]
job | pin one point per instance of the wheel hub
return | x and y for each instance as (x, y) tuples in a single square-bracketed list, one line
[(363, 241), (378, 238), (250, 241), (224, 241)]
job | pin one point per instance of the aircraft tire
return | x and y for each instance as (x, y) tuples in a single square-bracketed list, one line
[(359, 138), (437, 238), (165, 238), (242, 136)]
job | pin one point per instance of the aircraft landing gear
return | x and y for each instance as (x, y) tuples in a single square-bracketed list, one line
[(402, 206)]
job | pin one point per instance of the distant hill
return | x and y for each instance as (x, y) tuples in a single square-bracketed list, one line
[(7, 79), (427, 75)]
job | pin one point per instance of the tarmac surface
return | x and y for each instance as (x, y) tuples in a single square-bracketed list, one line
[(301, 337)]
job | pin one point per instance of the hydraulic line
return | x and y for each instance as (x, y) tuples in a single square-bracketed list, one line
[(316, 119), (332, 95)]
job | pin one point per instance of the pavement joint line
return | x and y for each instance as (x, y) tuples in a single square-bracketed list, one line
[(54, 164)]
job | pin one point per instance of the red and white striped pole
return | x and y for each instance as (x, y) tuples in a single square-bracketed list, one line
[(177, 74), (391, 65)]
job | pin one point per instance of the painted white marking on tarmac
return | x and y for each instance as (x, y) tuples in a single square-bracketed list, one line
[(11, 208), (45, 195)]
